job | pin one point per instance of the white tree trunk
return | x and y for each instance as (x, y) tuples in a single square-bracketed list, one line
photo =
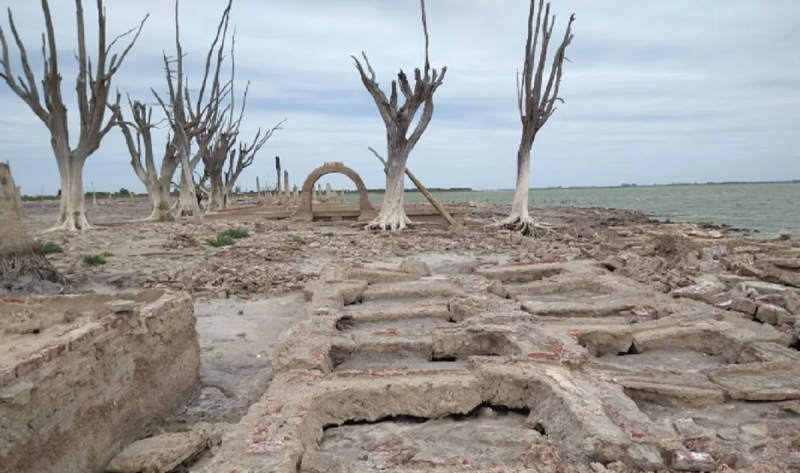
[(185, 205), (392, 215), (519, 207), (520, 220), (72, 212), (158, 192), (216, 201)]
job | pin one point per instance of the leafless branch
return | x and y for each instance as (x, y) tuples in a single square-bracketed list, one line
[(535, 98), (398, 118)]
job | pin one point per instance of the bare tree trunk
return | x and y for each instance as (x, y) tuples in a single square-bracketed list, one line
[(72, 210), (216, 200), (537, 94), (93, 86), (435, 203), (519, 207), (398, 119), (392, 215), (160, 201), (187, 200), (20, 256)]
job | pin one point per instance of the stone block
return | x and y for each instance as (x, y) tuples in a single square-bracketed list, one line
[(693, 461), (772, 314), (744, 305)]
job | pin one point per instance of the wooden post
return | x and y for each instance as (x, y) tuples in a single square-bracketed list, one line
[(435, 203), (278, 171)]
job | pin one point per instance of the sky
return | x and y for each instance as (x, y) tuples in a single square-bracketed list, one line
[(654, 93)]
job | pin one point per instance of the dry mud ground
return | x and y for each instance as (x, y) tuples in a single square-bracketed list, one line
[(248, 294)]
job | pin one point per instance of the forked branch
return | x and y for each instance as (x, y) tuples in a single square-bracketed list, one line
[(536, 98), (398, 117)]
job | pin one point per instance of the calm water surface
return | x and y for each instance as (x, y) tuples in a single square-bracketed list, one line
[(771, 209)]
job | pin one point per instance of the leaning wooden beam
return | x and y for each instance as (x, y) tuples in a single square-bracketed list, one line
[(435, 203)]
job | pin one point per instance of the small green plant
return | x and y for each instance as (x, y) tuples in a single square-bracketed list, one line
[(235, 233), (327, 234), (50, 248), (221, 240), (94, 260)]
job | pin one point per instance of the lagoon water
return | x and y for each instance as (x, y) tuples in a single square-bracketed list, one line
[(770, 208)]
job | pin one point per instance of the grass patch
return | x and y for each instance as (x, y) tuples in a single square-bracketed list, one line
[(221, 240), (234, 233), (50, 248), (94, 260)]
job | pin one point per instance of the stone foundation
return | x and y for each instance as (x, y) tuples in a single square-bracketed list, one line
[(81, 376), (552, 368)]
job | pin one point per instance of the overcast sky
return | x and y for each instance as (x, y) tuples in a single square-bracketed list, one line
[(657, 92)]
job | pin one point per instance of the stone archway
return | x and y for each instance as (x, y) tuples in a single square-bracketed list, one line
[(304, 211)]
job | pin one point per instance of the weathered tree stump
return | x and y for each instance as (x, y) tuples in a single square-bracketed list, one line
[(21, 257)]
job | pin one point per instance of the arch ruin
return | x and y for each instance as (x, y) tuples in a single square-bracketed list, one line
[(304, 210)]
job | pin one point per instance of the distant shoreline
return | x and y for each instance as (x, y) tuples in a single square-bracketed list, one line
[(106, 195)]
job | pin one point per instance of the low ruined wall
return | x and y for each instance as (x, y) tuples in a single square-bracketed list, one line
[(70, 403)]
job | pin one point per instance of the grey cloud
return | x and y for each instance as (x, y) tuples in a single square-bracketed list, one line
[(656, 91)]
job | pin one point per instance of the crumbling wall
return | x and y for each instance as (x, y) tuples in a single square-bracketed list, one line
[(74, 394)]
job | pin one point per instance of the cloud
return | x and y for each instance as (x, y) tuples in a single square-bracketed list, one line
[(655, 92)]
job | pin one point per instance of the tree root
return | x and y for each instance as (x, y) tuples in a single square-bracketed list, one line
[(526, 226), (70, 224), (27, 260), (393, 222)]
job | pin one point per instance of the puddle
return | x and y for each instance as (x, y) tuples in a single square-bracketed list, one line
[(487, 437), (236, 337), (673, 360)]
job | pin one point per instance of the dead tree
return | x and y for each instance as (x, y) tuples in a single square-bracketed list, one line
[(220, 145), (242, 157), (21, 258), (398, 119), (93, 89), (423, 190), (193, 122), (138, 135), (536, 103)]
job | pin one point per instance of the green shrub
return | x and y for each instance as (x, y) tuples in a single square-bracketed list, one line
[(50, 248), (93, 260), (235, 233), (221, 240)]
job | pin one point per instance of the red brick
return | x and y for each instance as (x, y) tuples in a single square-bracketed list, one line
[(543, 355), (30, 365), (387, 331), (86, 337), (54, 351)]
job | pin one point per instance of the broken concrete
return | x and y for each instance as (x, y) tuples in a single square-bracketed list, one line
[(583, 367), (92, 375)]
